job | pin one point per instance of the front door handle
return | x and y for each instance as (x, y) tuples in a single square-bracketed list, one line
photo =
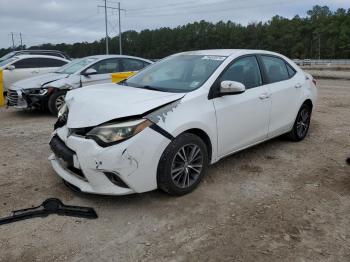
[(298, 85), (35, 72), (264, 96)]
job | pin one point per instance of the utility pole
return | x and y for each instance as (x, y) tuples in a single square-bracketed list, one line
[(13, 41), (120, 31), (106, 22), (106, 27), (319, 47), (20, 35)]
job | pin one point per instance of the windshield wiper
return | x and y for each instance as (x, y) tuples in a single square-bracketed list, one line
[(152, 88)]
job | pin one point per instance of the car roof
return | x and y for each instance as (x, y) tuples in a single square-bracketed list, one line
[(227, 52), (40, 56), (38, 50), (117, 56)]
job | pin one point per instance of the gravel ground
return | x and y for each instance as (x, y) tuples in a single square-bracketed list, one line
[(278, 201)]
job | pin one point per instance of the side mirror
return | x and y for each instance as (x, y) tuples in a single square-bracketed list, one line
[(90, 72), (231, 88), (10, 67)]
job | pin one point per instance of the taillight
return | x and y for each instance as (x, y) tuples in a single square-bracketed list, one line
[(314, 81)]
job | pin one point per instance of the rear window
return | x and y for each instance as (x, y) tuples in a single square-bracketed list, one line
[(291, 71)]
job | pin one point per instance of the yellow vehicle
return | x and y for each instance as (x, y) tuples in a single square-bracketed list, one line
[(2, 99), (117, 77)]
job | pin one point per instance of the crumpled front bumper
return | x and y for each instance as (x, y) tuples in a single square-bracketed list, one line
[(134, 161), (20, 100)]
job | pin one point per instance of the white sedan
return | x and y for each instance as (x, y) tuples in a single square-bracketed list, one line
[(162, 127), (24, 66)]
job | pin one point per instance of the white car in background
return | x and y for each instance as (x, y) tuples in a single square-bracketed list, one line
[(24, 66), (49, 90), (162, 127)]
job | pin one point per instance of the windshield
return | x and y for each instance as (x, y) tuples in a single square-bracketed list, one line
[(7, 61), (75, 65), (7, 56), (179, 73)]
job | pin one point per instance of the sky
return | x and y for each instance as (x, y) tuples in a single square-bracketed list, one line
[(68, 21)]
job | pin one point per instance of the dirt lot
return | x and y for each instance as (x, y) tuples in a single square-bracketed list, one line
[(279, 201)]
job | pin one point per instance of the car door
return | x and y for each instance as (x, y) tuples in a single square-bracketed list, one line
[(285, 88), (242, 119), (104, 69)]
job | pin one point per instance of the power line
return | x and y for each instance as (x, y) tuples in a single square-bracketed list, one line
[(222, 6), (106, 23)]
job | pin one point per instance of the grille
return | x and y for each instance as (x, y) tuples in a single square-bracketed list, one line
[(12, 97)]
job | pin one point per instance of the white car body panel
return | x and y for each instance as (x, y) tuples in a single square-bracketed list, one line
[(231, 122)]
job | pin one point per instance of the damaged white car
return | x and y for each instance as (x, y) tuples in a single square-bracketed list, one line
[(162, 127)]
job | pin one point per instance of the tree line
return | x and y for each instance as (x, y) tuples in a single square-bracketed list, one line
[(322, 33)]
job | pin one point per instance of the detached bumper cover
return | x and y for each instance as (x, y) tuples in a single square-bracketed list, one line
[(18, 99)]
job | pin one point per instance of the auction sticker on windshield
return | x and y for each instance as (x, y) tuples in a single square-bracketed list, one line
[(214, 57)]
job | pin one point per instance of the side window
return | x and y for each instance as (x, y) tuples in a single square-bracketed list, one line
[(291, 71), (132, 64), (275, 68), (246, 71), (48, 62), (27, 63), (107, 66), (38, 63)]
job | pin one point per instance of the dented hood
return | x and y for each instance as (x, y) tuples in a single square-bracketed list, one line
[(93, 105), (37, 81)]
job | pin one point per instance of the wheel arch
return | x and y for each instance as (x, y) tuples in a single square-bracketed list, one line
[(309, 103), (205, 137)]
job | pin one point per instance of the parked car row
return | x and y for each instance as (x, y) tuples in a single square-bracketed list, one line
[(37, 81)]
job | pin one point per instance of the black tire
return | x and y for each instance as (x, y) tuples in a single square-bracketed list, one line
[(168, 178), (301, 124), (52, 103)]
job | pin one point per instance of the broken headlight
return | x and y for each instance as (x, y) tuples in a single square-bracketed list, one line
[(114, 133)]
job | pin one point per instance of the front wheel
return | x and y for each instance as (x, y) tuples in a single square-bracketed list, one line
[(182, 165), (301, 124), (56, 101)]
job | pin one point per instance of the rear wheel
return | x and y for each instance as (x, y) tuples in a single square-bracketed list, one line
[(56, 101), (301, 124), (182, 165)]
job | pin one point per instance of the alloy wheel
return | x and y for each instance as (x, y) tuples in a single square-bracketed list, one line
[(187, 166), (59, 102), (303, 122)]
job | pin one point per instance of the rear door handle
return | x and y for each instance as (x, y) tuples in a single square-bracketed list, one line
[(264, 96), (298, 85), (35, 72)]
